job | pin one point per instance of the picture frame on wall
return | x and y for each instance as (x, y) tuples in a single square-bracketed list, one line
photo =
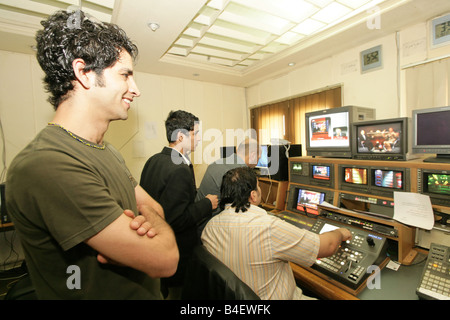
[(440, 31), (371, 59)]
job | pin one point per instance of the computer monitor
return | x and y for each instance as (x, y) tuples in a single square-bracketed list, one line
[(431, 133), (328, 131), (385, 139), (263, 161)]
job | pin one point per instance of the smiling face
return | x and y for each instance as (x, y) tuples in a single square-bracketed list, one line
[(115, 89)]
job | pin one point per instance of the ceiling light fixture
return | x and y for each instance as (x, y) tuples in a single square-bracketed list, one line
[(291, 64), (153, 25)]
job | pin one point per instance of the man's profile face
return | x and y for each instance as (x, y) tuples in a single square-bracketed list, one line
[(114, 89)]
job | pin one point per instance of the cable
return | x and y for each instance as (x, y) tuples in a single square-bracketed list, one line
[(3, 174)]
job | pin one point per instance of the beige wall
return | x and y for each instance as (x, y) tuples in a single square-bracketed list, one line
[(383, 89)]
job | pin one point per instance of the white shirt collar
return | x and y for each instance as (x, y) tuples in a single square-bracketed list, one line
[(186, 159)]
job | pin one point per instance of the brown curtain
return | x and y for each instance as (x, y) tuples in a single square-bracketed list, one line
[(286, 120), (270, 121)]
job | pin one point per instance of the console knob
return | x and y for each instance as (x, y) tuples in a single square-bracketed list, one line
[(370, 242)]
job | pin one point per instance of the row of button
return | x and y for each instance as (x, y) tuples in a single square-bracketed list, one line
[(356, 273), (438, 266), (436, 284)]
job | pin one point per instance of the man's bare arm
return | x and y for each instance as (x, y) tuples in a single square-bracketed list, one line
[(330, 241), (143, 198), (157, 256)]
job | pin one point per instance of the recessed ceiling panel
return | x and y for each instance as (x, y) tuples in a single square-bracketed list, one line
[(239, 33)]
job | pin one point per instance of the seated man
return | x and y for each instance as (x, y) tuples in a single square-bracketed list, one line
[(247, 154), (257, 246)]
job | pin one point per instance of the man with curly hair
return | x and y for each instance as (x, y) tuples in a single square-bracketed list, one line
[(88, 230), (258, 246)]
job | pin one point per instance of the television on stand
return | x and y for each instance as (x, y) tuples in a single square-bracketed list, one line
[(328, 131), (431, 133), (386, 139)]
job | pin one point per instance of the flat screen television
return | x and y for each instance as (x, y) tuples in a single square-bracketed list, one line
[(385, 139), (328, 131), (431, 133)]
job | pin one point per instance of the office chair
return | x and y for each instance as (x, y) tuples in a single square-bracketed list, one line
[(22, 290), (207, 278)]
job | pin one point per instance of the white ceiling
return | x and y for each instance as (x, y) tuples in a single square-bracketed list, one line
[(234, 42)]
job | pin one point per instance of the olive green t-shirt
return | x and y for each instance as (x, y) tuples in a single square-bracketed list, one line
[(60, 192)]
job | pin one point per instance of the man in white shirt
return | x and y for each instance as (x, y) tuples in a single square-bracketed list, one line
[(257, 246)]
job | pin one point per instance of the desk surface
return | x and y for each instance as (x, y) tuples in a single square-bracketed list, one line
[(397, 285), (393, 285)]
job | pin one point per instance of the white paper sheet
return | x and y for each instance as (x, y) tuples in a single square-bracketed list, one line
[(413, 209)]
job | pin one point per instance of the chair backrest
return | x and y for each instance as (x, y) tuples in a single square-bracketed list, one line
[(22, 290), (207, 278)]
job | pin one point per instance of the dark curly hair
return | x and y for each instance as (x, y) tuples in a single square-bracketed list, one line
[(179, 121), (237, 185), (71, 35)]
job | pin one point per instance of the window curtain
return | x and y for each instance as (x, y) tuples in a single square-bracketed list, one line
[(269, 121), (427, 85), (286, 119)]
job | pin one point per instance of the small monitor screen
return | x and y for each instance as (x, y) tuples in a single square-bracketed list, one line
[(308, 200), (331, 130), (388, 179), (263, 161), (297, 168), (355, 175), (438, 183), (380, 138), (321, 172)]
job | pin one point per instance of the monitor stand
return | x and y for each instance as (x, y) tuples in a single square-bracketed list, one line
[(440, 158)]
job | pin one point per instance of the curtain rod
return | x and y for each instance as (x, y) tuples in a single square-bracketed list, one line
[(425, 62)]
